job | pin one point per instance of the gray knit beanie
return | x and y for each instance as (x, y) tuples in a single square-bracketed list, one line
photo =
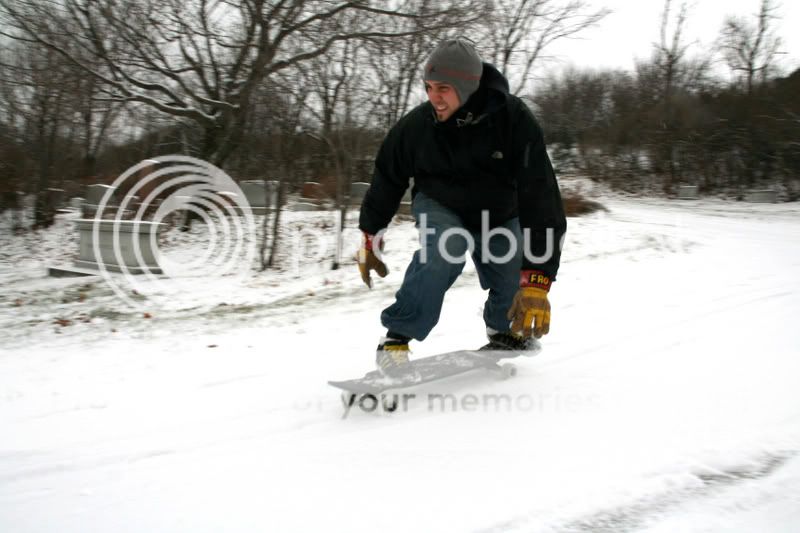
[(457, 63)]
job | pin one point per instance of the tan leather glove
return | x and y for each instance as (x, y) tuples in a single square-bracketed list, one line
[(530, 309), (368, 260)]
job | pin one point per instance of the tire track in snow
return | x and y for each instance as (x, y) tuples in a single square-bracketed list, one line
[(704, 483)]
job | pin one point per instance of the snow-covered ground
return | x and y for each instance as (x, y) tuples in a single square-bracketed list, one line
[(666, 397)]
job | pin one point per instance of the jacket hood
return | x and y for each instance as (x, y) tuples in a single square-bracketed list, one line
[(491, 95), (493, 80)]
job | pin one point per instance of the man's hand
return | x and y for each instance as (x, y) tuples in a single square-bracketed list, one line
[(368, 260), (530, 310)]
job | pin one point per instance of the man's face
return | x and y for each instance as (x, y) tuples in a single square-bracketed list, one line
[(444, 99)]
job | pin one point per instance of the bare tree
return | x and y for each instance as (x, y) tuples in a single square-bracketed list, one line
[(51, 104), (749, 48), (341, 104), (517, 32), (396, 69), (39, 89), (675, 68), (274, 135), (93, 119), (675, 72)]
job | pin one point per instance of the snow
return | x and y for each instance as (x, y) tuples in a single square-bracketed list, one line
[(665, 398)]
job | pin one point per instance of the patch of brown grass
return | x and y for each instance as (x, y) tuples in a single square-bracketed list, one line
[(575, 204)]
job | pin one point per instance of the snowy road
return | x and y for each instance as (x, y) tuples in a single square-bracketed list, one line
[(666, 398)]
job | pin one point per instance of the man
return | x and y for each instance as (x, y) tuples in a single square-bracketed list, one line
[(483, 183)]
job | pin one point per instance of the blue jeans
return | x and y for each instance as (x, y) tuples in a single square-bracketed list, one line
[(439, 262)]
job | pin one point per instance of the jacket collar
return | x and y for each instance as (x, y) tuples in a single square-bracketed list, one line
[(490, 96)]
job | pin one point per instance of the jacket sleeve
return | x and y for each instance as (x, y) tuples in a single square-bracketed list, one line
[(541, 211), (390, 179)]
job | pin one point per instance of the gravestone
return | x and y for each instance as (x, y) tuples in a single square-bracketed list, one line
[(272, 198), (761, 196), (255, 193), (54, 198), (229, 196), (94, 195), (14, 201), (28, 201), (123, 259), (96, 192), (358, 189), (302, 206), (131, 202), (687, 192), (130, 233), (260, 197), (173, 208), (312, 192), (405, 202)]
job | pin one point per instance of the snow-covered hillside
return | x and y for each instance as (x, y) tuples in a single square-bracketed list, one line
[(666, 397)]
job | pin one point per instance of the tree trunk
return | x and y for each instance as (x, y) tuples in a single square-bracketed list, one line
[(276, 223)]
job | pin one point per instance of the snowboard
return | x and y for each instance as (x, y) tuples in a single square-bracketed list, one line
[(436, 367)]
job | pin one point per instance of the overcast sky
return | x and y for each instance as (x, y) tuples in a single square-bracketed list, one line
[(631, 29)]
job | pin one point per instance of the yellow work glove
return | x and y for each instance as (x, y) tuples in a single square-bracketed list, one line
[(530, 309), (368, 260)]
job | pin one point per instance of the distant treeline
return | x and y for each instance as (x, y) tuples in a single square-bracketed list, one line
[(618, 127)]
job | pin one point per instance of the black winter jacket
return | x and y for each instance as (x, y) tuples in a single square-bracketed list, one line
[(490, 155)]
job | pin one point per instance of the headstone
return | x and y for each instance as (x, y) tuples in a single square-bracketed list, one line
[(255, 192), (405, 202), (312, 190), (28, 201), (761, 196), (175, 202), (272, 188), (96, 192), (54, 197), (123, 259), (261, 197), (131, 201), (228, 205), (302, 206), (358, 190), (94, 195), (687, 192), (173, 208)]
